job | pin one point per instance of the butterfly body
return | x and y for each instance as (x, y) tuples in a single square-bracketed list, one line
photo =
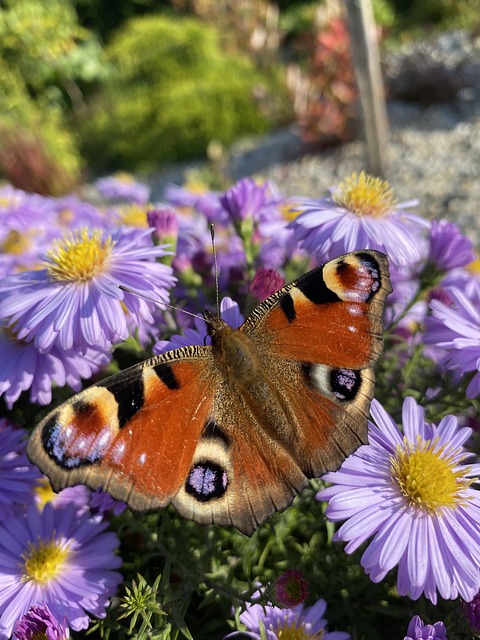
[(230, 432)]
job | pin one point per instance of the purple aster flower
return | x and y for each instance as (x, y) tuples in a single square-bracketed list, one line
[(265, 282), (449, 248), (101, 502), (123, 186), (471, 611), (277, 243), (39, 623), (298, 622), (24, 367), (165, 222), (79, 496), (21, 251), (360, 213), (132, 218), (21, 210), (456, 328), (245, 199), (276, 238), (200, 200), (27, 227), (290, 589), (418, 630), (54, 557), (229, 311), (70, 212), (466, 279), (76, 301), (18, 476), (411, 492)]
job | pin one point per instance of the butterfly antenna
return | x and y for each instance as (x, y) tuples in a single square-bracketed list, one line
[(215, 266), (158, 302)]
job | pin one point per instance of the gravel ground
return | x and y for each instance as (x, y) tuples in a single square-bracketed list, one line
[(439, 165), (433, 152)]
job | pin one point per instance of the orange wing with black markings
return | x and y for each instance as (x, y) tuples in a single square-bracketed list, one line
[(229, 433)]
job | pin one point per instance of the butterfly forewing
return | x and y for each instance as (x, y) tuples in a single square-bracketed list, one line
[(331, 315), (134, 434)]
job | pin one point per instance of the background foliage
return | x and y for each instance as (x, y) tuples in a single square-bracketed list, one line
[(172, 90), (134, 84)]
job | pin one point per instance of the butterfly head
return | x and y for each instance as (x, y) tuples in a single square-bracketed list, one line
[(215, 324)]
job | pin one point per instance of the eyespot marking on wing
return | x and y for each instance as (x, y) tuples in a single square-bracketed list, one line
[(206, 481), (354, 277), (345, 383), (71, 449), (341, 385)]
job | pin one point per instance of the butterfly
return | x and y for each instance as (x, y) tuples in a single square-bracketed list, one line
[(230, 432)]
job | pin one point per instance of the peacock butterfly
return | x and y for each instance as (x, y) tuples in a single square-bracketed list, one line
[(230, 432)]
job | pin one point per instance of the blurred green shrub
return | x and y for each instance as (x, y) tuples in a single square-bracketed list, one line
[(173, 91), (44, 44), (410, 19), (46, 61), (37, 150)]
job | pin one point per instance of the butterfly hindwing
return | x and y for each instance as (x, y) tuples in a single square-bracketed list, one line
[(235, 479)]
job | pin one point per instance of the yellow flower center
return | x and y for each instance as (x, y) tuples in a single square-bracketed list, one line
[(365, 195), (291, 630), (80, 257), (44, 492), (44, 560), (65, 216), (123, 176), (426, 477), (196, 186), (8, 201), (474, 267), (289, 211), (133, 215), (15, 243)]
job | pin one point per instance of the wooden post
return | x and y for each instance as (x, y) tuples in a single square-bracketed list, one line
[(366, 59)]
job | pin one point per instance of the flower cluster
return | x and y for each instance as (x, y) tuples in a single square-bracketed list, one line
[(65, 300), (271, 622), (58, 565), (414, 504), (86, 287)]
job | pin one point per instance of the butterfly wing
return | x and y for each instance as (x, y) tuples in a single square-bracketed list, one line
[(135, 433), (323, 334), (332, 314), (237, 477)]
